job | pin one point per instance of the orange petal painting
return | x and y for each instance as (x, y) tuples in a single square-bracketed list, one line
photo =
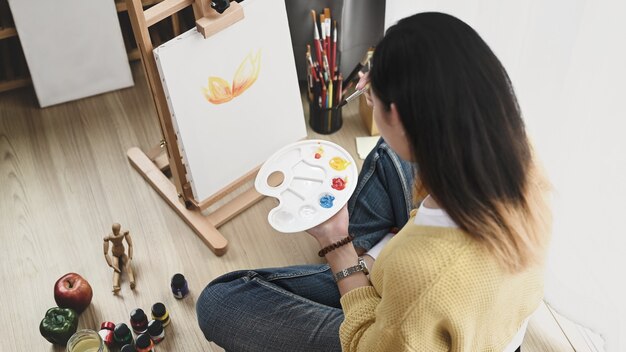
[(219, 91)]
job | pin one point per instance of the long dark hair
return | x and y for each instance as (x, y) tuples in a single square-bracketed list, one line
[(458, 108)]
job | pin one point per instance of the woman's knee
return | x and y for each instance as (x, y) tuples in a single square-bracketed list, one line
[(207, 301), (212, 306)]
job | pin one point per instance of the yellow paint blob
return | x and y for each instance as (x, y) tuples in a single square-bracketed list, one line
[(338, 163)]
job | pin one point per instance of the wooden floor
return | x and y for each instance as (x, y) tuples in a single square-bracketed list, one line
[(64, 179)]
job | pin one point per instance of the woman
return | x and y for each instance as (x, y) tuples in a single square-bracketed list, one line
[(465, 271)]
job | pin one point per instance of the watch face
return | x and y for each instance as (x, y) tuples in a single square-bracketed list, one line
[(363, 266)]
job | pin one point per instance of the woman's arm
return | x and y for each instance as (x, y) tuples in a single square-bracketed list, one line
[(332, 231), (335, 229)]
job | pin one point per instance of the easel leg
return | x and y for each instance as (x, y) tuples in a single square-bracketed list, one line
[(194, 218)]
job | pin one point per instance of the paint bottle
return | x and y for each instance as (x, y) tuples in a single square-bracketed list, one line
[(122, 334), (160, 313), (128, 348), (138, 321), (155, 330), (179, 286), (144, 343), (106, 333)]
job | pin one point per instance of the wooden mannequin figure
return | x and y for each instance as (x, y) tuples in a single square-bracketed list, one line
[(118, 254)]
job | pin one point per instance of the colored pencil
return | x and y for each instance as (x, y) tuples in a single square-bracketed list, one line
[(330, 94)]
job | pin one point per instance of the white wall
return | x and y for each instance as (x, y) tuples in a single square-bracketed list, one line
[(567, 61)]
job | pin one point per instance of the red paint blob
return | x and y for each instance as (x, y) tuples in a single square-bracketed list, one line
[(338, 183)]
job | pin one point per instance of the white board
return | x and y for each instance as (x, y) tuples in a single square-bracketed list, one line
[(567, 61), (74, 48), (222, 141)]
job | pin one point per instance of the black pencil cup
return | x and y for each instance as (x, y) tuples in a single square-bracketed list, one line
[(324, 120)]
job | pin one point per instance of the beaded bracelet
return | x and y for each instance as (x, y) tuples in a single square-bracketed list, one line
[(334, 246)]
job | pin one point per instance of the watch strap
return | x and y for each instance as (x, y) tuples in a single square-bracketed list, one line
[(360, 267)]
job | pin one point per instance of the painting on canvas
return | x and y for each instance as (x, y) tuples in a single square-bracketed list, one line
[(234, 96)]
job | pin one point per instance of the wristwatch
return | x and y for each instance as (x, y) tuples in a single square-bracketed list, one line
[(352, 270)]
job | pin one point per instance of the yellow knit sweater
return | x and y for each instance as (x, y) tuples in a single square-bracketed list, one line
[(437, 289)]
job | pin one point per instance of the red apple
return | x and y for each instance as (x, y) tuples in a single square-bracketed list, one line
[(72, 291)]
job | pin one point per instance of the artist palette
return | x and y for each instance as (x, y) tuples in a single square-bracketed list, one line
[(312, 181)]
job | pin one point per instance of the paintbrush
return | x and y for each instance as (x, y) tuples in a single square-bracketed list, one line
[(362, 67), (316, 39), (356, 94)]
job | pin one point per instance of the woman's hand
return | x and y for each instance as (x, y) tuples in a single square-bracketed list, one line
[(363, 83), (333, 229)]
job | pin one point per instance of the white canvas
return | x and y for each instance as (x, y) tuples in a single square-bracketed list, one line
[(74, 48), (222, 142)]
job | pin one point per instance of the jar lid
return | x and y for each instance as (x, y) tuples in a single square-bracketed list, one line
[(155, 327), (138, 315), (121, 330), (107, 336), (178, 280), (128, 348), (143, 341), (158, 309), (107, 325)]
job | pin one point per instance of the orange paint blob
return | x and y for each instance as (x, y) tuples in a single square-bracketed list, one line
[(319, 152)]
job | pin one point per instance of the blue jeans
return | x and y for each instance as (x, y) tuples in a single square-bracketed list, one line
[(297, 308)]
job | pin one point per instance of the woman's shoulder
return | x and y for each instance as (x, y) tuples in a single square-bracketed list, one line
[(422, 253), (431, 241), (429, 254)]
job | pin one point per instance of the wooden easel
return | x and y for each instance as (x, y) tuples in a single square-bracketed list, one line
[(151, 165)]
